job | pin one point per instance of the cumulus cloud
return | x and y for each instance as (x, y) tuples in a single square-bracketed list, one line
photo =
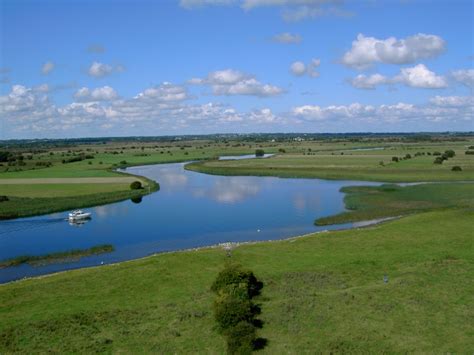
[(439, 109), (367, 51), (453, 101), (47, 68), (234, 82), (464, 76), (287, 38), (166, 92), (418, 76), (362, 81), (30, 111), (100, 70), (299, 68), (105, 93)]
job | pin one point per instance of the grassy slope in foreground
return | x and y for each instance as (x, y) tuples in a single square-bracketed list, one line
[(352, 166), (372, 202), (323, 292)]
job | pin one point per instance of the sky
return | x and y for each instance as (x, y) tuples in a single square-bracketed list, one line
[(90, 68)]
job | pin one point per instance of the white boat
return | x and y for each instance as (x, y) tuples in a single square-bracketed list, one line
[(78, 214)]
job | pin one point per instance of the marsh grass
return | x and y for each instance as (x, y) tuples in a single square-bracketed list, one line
[(373, 202), (60, 257)]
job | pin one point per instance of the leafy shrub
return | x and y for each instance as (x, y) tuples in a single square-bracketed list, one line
[(456, 168), (4, 198), (395, 159), (136, 185), (235, 275), (407, 156), (438, 160), (241, 338), (259, 153), (229, 310), (281, 150), (469, 152), (234, 310), (450, 153), (436, 153)]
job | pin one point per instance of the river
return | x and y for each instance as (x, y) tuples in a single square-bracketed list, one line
[(190, 210)]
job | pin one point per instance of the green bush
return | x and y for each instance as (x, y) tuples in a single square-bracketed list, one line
[(259, 153), (234, 275), (241, 338), (395, 159), (234, 310), (450, 153), (136, 185), (436, 153), (230, 309), (469, 152), (456, 168), (438, 160), (407, 156), (3, 198)]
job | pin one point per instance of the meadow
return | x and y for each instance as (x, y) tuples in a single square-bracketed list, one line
[(323, 292), (400, 286)]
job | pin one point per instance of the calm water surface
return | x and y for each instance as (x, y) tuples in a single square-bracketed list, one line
[(191, 210)]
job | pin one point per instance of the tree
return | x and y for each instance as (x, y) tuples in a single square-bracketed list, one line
[(259, 153), (456, 168), (450, 153), (136, 185), (395, 159), (234, 310)]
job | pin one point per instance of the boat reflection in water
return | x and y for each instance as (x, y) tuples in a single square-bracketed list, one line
[(79, 222)]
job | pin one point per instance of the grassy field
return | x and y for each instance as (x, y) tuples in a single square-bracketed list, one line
[(322, 293), (370, 202), (60, 190), (369, 165)]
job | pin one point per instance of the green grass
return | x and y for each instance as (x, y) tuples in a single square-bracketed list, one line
[(59, 190), (372, 202), (17, 207), (322, 293), (360, 165), (60, 257)]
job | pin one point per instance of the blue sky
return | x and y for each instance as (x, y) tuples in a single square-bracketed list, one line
[(103, 67)]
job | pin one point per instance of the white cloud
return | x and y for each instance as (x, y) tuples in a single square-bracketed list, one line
[(234, 82), (99, 70), (362, 81), (166, 92), (439, 109), (287, 38), (418, 76), (299, 68), (464, 76), (105, 93), (453, 101), (366, 51), (47, 67), (28, 112)]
